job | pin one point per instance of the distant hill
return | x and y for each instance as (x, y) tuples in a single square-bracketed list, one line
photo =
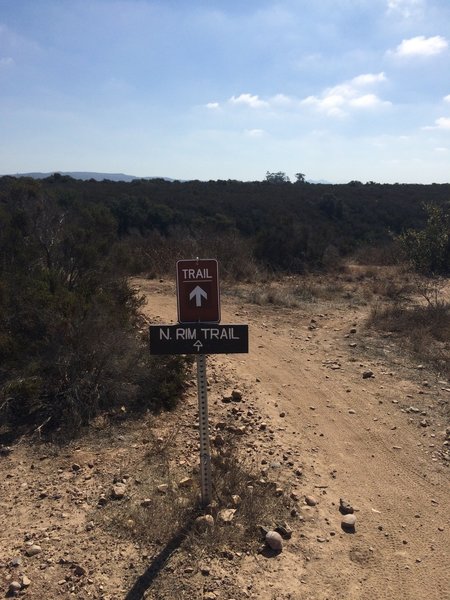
[(86, 175)]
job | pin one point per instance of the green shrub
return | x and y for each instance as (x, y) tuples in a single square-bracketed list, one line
[(68, 320), (428, 250)]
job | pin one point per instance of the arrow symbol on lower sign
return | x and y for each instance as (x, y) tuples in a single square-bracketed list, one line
[(198, 345), (198, 293)]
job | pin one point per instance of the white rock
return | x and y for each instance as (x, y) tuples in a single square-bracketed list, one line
[(118, 491), (226, 515), (33, 550), (185, 482), (348, 522)]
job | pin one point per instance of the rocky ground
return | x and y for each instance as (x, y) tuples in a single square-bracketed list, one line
[(343, 435)]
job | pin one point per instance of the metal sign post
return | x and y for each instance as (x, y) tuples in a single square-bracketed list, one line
[(205, 456)]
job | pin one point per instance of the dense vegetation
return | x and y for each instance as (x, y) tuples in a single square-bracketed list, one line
[(283, 226), (69, 347), (68, 318)]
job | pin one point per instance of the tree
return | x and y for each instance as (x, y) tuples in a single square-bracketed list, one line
[(428, 250), (277, 178), (300, 178)]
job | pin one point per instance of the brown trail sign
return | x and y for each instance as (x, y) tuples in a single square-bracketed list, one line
[(198, 291)]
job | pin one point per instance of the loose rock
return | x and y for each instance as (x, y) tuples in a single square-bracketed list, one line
[(367, 374), (14, 588), (205, 522), (226, 515), (311, 500), (348, 523), (185, 482), (33, 550), (284, 530), (344, 507), (227, 396), (79, 571), (118, 491), (236, 395), (274, 540), (16, 561), (102, 501)]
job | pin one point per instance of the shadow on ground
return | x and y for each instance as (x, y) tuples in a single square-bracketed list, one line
[(146, 580)]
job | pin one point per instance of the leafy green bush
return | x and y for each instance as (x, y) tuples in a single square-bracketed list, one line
[(428, 250)]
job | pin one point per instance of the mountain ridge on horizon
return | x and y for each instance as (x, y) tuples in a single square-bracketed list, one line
[(86, 175), (99, 176)]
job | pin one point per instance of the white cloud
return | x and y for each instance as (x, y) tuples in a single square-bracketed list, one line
[(441, 149), (441, 123), (281, 100), (254, 132), (406, 8), (336, 101), (447, 98), (421, 46), (369, 78), (367, 101), (249, 100)]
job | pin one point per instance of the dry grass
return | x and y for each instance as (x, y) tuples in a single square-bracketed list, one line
[(352, 284), (257, 502), (292, 293), (286, 296), (424, 330), (156, 518)]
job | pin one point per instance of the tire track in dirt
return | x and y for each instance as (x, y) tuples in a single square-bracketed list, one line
[(404, 491)]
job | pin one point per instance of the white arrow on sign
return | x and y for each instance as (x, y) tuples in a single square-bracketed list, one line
[(198, 293), (198, 345)]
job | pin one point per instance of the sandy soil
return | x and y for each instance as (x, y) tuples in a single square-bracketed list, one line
[(377, 442)]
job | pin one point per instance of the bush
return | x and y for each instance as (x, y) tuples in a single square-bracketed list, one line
[(428, 250), (68, 320)]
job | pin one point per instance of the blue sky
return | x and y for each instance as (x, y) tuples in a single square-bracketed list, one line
[(227, 89)]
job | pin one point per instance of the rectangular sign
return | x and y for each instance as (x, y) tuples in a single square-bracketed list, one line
[(198, 338), (198, 294)]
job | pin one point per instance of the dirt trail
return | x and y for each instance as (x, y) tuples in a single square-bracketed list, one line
[(378, 442), (356, 438)]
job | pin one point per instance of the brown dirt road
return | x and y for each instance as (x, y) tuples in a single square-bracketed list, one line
[(356, 438)]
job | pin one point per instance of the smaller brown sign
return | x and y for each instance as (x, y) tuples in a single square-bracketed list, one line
[(198, 294)]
